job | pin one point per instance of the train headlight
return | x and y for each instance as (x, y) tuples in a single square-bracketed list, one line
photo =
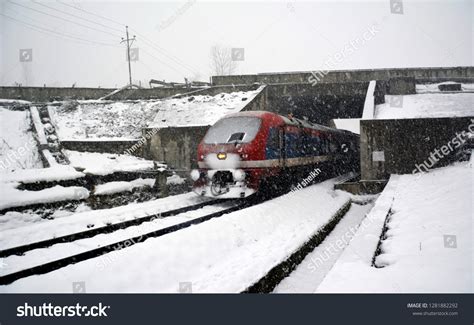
[(221, 155), (239, 175), (195, 174)]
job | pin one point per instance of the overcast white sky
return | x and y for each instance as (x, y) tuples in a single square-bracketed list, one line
[(276, 37)]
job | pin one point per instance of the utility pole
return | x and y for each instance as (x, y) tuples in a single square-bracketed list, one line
[(129, 43)]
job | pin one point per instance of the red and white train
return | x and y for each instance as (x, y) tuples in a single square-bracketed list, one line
[(247, 152)]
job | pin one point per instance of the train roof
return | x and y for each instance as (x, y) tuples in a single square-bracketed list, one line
[(291, 121)]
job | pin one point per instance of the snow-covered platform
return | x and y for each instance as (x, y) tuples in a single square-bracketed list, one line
[(426, 105), (427, 246)]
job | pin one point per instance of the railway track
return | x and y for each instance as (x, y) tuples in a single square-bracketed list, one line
[(100, 248), (110, 247), (18, 250)]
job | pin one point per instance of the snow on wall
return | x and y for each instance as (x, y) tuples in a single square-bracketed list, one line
[(50, 174), (121, 186), (426, 105), (96, 120), (427, 88), (200, 110), (40, 133), (429, 239), (11, 197), (349, 124), (105, 163), (18, 148), (105, 119), (369, 103)]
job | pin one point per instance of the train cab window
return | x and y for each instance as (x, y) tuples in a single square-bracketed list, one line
[(236, 137), (239, 129)]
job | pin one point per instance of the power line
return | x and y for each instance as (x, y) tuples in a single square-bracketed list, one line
[(61, 18), (43, 30), (146, 41), (90, 13), (163, 52), (69, 14), (180, 72), (40, 24)]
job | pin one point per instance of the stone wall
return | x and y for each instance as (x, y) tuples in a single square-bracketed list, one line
[(177, 147), (108, 146), (47, 94), (399, 146), (319, 103), (346, 75)]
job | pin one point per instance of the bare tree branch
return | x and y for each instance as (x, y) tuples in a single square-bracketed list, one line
[(221, 61)]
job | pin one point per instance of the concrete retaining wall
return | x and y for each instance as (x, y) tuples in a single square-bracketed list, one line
[(346, 75), (177, 147), (47, 94), (319, 103), (112, 146), (399, 146)]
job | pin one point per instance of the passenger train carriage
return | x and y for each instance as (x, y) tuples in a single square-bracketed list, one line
[(245, 152)]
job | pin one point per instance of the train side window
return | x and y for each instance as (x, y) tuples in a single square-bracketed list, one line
[(305, 145), (272, 150), (315, 145), (333, 146), (291, 141)]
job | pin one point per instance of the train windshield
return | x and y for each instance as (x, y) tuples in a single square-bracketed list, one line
[(241, 129)]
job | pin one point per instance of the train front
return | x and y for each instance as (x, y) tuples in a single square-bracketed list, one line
[(227, 155)]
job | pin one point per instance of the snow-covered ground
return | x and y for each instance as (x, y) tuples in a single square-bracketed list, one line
[(14, 219), (50, 174), (125, 120), (93, 119), (46, 229), (8, 102), (44, 255), (429, 242), (120, 186), (106, 163), (312, 270), (12, 197), (200, 110), (227, 254), (426, 105), (17, 144)]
